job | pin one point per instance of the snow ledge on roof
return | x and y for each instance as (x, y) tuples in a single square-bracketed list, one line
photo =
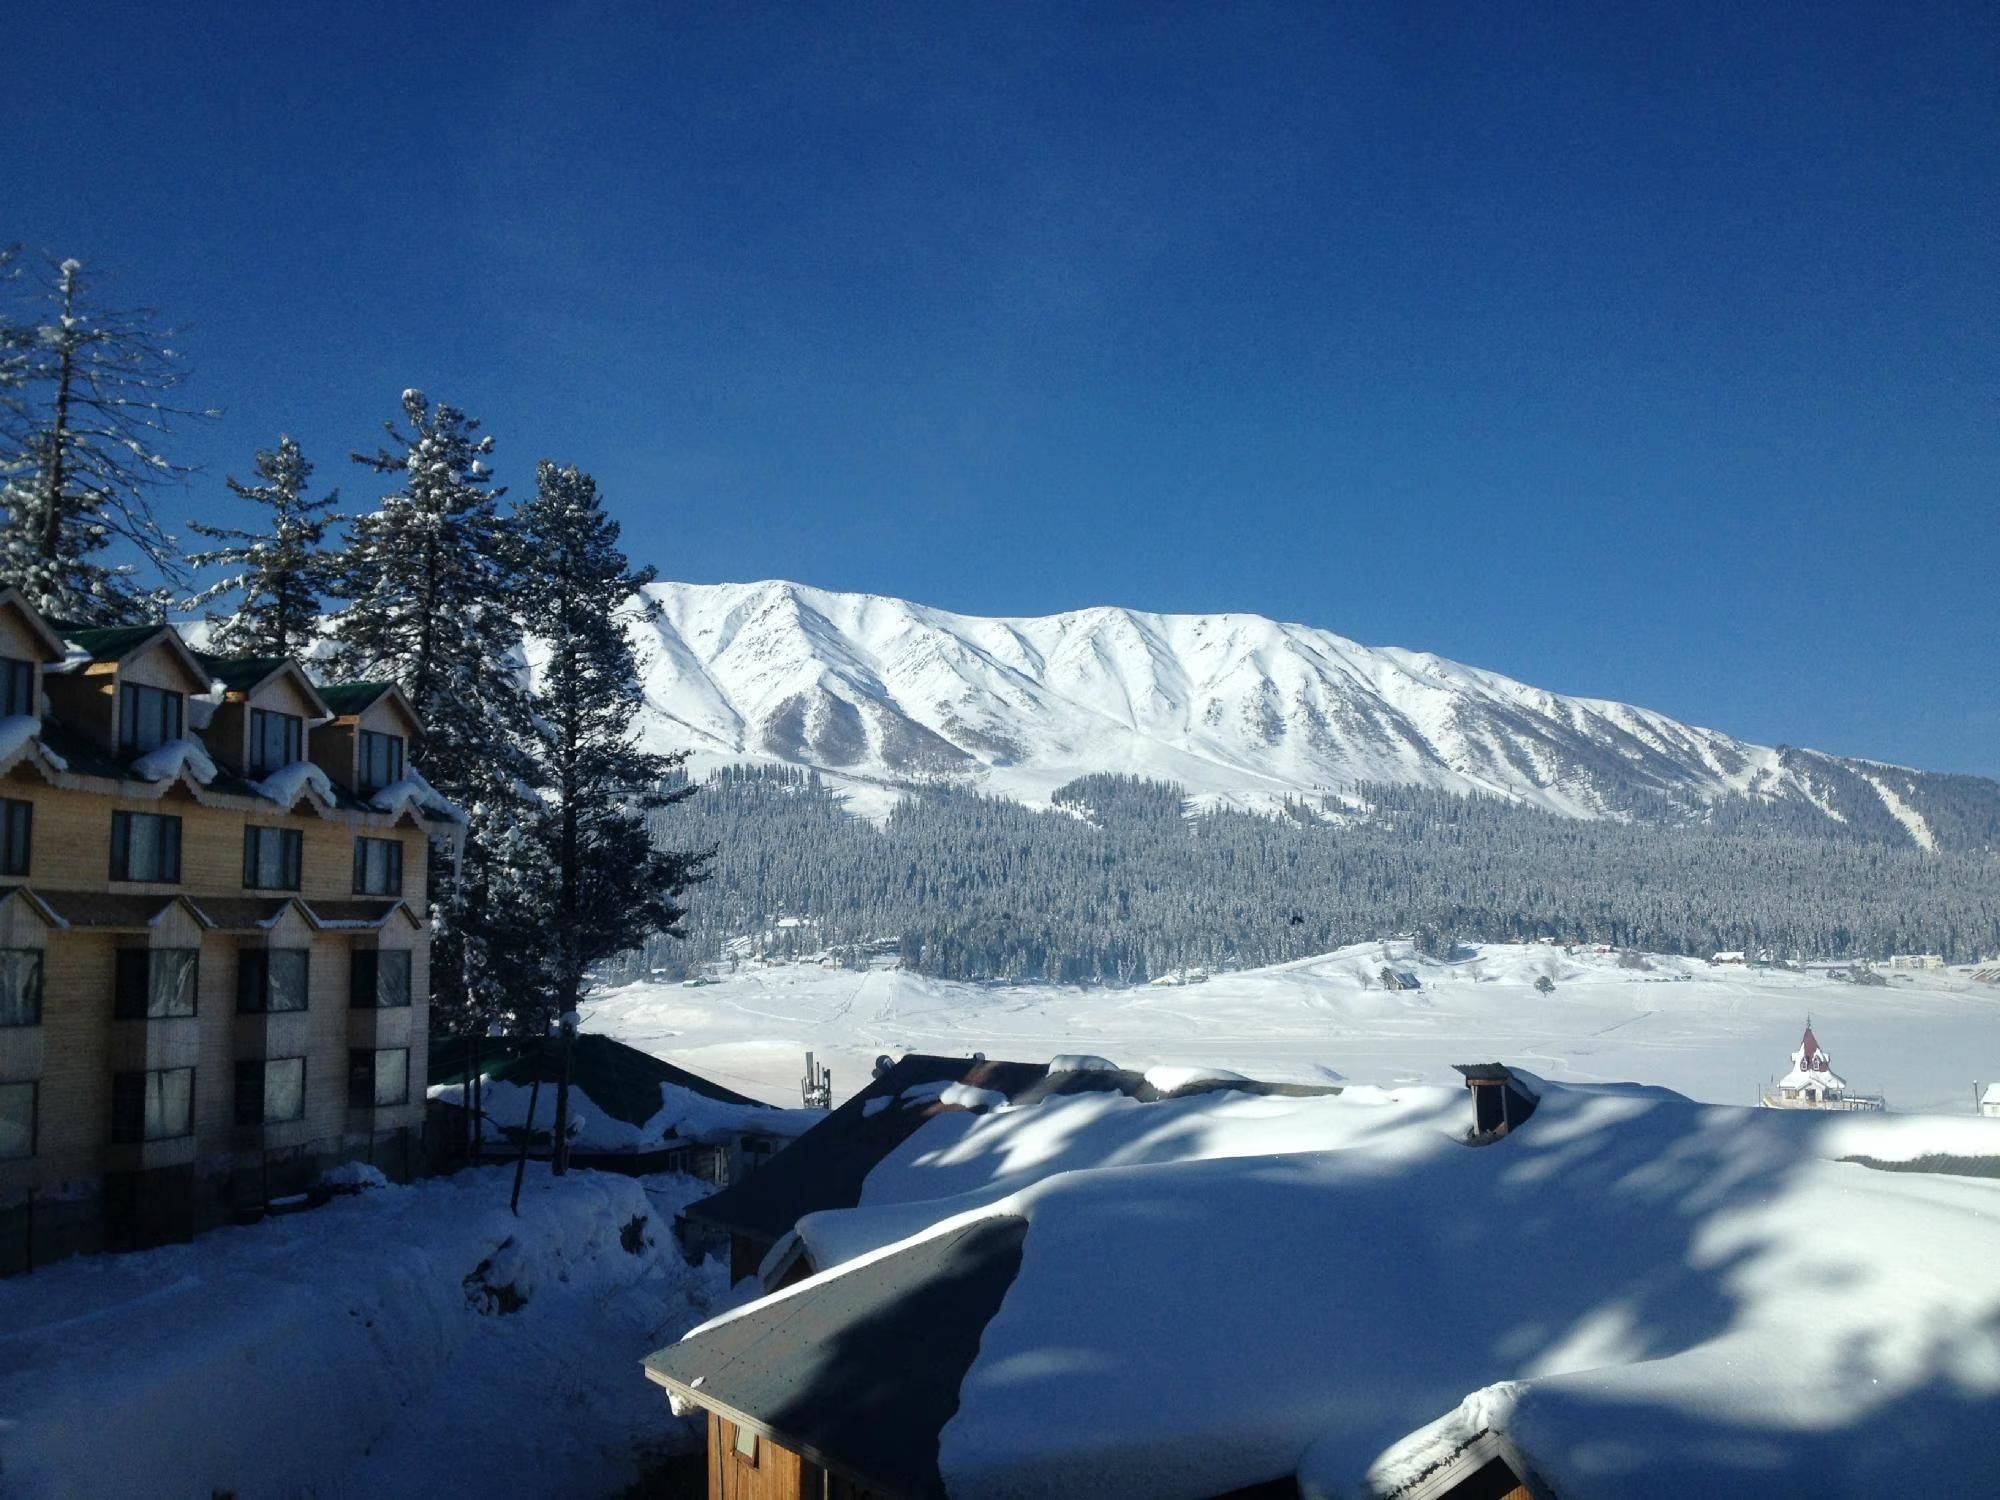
[(413, 790), (287, 784), (18, 731), (175, 757)]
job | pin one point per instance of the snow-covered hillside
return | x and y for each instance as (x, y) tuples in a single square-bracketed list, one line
[(1237, 708)]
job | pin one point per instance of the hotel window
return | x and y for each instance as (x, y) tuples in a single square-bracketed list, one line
[(270, 1090), (148, 717), (145, 846), (378, 1078), (155, 983), (17, 688), (153, 1106), (381, 760), (271, 858), (17, 824), (381, 979), (17, 1121), (275, 739), (378, 867), (20, 986), (271, 979)]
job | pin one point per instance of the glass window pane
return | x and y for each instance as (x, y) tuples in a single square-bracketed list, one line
[(17, 1121), (392, 1075), (392, 979), (284, 1089), (169, 1103), (172, 989), (20, 987), (142, 847), (17, 823), (287, 988), (360, 1078), (18, 681)]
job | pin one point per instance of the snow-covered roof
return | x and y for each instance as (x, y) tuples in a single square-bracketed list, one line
[(1630, 1293), (830, 1166)]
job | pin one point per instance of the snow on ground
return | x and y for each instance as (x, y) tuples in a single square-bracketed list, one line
[(360, 1349), (1716, 1034)]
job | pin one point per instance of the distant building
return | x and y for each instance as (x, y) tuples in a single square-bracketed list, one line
[(1812, 1083), (1730, 958), (1916, 960), (1989, 1102)]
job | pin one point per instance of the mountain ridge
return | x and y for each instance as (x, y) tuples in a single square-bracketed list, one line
[(886, 695)]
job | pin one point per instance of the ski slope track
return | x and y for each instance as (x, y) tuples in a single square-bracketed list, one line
[(883, 695)]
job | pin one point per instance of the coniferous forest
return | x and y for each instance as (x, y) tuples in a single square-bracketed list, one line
[(1116, 884)]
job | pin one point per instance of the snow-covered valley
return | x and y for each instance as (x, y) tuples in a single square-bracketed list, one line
[(1714, 1033)]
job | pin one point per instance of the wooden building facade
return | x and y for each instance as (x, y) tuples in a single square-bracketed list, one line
[(214, 944)]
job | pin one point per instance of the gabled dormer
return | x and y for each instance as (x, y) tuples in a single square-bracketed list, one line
[(27, 645), (368, 744), (125, 688), (268, 711)]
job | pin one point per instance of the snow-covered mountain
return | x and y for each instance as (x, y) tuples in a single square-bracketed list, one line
[(1239, 709)]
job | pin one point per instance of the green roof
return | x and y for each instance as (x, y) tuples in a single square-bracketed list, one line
[(107, 642), (239, 673), (352, 697)]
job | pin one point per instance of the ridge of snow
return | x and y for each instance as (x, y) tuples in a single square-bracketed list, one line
[(165, 762), (287, 784), (413, 789), (18, 731)]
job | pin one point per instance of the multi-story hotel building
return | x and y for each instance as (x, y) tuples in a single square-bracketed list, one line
[(214, 943)]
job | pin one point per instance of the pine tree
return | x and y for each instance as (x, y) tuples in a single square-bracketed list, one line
[(429, 577), (613, 886), (95, 386), (283, 572)]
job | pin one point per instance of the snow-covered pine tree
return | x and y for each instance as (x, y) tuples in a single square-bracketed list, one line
[(281, 572), (96, 388), (613, 886), (429, 580)]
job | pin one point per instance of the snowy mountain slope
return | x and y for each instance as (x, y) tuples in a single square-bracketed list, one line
[(1239, 709)]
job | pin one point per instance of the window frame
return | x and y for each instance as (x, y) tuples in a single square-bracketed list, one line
[(132, 998), (367, 739), (121, 847), (292, 734), (394, 883), (364, 1074), (17, 688), (252, 1085), (253, 981), (10, 809), (34, 1007), (33, 1086), (131, 698), (122, 1107), (364, 979), (291, 856)]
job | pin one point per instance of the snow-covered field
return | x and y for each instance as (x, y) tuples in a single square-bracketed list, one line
[(407, 1341), (1714, 1034)]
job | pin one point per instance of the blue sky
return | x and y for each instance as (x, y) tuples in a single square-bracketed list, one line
[(1639, 351)]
